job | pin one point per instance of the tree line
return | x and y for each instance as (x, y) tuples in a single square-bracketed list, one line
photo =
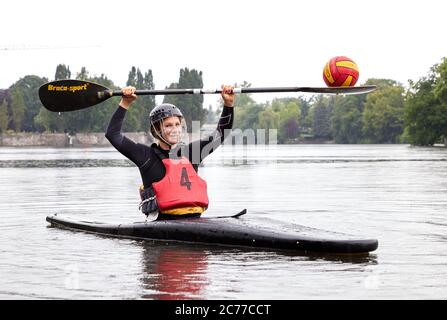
[(391, 114), (21, 109)]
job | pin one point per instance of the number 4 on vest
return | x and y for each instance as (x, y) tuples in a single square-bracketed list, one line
[(184, 180)]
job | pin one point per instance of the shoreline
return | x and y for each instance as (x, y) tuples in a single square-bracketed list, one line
[(98, 140), (65, 140)]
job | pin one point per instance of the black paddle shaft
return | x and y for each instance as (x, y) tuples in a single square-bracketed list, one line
[(71, 95), (329, 90)]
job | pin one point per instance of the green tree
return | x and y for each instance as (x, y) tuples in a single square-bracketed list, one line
[(191, 105), (305, 106), (420, 113), (83, 74), (383, 115), (133, 115), (440, 92), (3, 116), (49, 121), (28, 86), (440, 89), (289, 116), (5, 100), (247, 118), (17, 110), (247, 109), (321, 118), (137, 117), (426, 107), (132, 77), (268, 119), (62, 72), (346, 121)]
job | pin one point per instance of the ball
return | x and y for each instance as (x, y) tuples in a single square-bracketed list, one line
[(340, 72)]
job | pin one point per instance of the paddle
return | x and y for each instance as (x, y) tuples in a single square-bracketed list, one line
[(71, 95)]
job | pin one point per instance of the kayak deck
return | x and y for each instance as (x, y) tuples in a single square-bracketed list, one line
[(227, 231)]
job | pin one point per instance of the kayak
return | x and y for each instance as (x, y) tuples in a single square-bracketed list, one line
[(228, 231)]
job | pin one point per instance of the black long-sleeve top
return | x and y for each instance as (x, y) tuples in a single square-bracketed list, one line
[(144, 157)]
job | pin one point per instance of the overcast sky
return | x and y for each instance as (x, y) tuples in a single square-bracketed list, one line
[(267, 43)]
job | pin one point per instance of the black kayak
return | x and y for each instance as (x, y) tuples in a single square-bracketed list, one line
[(229, 231)]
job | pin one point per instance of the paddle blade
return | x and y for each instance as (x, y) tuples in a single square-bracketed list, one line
[(323, 90), (340, 90), (71, 95)]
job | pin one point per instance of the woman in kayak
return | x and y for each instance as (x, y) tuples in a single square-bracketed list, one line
[(171, 186)]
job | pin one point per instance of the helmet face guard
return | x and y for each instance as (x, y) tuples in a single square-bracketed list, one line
[(157, 117)]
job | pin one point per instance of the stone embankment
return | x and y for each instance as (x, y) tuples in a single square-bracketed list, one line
[(62, 140)]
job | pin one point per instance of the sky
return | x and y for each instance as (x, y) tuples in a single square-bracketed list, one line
[(266, 43)]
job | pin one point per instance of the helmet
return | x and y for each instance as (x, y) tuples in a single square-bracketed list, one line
[(163, 111)]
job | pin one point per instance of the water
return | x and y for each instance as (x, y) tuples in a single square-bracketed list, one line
[(395, 193)]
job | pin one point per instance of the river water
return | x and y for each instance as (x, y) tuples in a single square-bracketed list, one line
[(395, 193)]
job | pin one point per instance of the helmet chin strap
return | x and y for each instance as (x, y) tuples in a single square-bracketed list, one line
[(162, 139)]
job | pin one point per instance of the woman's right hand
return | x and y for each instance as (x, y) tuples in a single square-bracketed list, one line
[(129, 96)]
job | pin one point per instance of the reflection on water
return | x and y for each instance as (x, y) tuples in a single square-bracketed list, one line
[(181, 271), (174, 272), (397, 194)]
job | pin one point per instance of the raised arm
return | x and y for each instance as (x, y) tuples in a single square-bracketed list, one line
[(199, 150), (124, 145)]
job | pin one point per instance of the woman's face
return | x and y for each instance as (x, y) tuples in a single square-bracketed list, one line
[(171, 129)]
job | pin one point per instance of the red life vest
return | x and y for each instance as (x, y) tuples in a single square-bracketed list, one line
[(181, 186)]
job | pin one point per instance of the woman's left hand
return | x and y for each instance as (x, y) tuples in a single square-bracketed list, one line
[(227, 95)]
